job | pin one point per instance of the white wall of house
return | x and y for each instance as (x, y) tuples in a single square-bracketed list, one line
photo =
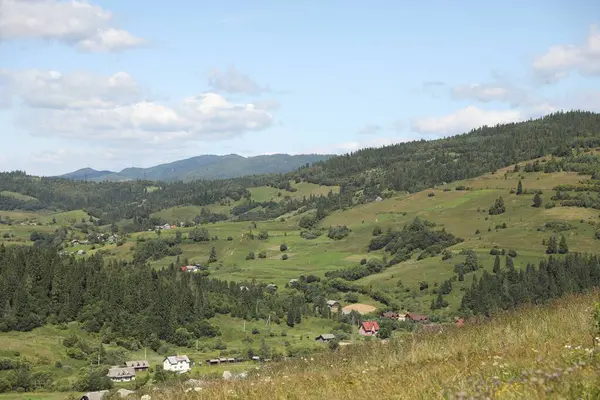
[(181, 366)]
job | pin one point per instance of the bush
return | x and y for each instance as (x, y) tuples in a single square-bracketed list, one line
[(377, 231), (430, 194), (512, 253), (58, 364), (76, 353), (263, 235), (255, 331), (338, 232), (229, 238), (250, 256), (351, 297), (262, 254), (283, 247), (284, 257)]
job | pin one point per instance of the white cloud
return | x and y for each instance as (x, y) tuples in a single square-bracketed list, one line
[(75, 23), (560, 60), (51, 89), (489, 92), (90, 107), (234, 81), (110, 40), (464, 120)]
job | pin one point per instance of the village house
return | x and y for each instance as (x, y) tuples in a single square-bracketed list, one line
[(121, 374), (325, 337), (180, 364), (399, 316), (368, 328), (333, 305), (141, 365), (416, 317)]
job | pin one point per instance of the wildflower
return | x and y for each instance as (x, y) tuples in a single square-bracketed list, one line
[(567, 346)]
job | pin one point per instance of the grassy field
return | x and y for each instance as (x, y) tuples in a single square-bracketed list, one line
[(18, 196), (535, 353)]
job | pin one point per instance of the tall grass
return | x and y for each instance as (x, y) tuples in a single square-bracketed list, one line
[(533, 353)]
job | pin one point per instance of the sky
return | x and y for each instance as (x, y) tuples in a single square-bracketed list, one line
[(115, 84)]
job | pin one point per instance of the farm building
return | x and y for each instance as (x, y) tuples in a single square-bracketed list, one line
[(333, 305), (178, 364), (325, 337), (141, 365), (416, 317), (121, 374), (369, 328)]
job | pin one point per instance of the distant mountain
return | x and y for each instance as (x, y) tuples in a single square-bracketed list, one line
[(89, 174), (204, 167)]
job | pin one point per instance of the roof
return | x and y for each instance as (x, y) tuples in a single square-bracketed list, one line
[(138, 364), (370, 325), (95, 395), (416, 317), (333, 303), (177, 359), (326, 336), (121, 372), (390, 314)]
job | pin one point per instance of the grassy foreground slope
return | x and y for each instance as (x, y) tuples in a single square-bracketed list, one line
[(533, 353)]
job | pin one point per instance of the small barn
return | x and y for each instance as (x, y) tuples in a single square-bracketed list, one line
[(325, 337)]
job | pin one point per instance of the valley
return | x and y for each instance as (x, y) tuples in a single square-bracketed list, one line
[(102, 263)]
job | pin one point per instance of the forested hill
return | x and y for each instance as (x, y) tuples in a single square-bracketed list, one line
[(403, 167), (417, 165), (205, 167)]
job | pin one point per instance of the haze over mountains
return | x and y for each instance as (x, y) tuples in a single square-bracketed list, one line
[(204, 167)]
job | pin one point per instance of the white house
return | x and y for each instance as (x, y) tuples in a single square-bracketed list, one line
[(178, 364)]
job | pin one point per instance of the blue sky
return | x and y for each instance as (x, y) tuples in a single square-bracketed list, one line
[(114, 84)]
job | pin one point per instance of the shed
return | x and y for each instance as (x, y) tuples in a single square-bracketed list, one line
[(325, 337)]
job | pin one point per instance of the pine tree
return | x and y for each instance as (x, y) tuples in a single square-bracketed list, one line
[(213, 255), (562, 246), (537, 200), (552, 248), (496, 265), (290, 318), (519, 188)]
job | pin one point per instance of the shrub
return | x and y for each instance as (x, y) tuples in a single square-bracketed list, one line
[(351, 297), (377, 231), (338, 232), (262, 254), (229, 238), (250, 256), (512, 253), (283, 247), (430, 194), (255, 331), (284, 257)]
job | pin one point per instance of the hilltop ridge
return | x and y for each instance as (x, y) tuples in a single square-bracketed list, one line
[(204, 167)]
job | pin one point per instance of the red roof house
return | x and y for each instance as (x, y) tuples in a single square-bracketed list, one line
[(369, 328)]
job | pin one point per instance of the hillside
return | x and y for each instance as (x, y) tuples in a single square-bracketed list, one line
[(535, 353), (477, 246), (204, 167)]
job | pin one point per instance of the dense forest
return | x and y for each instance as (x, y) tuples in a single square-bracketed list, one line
[(131, 302), (418, 165), (508, 287)]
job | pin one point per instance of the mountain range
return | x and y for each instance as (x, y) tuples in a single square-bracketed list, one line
[(204, 167)]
